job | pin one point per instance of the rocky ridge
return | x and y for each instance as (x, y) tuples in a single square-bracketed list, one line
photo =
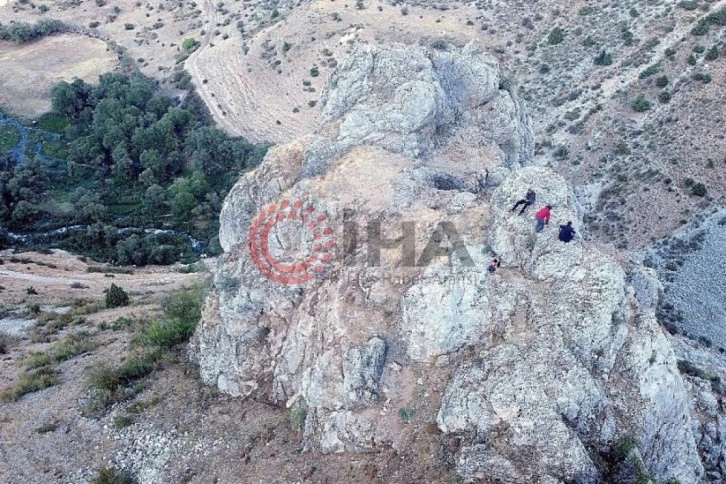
[(542, 371)]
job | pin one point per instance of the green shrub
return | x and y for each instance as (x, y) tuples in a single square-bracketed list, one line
[(664, 97), (712, 53), (112, 476), (589, 41), (121, 421), (651, 70), (685, 366), (298, 415), (703, 77), (37, 359), (701, 28), (110, 270), (562, 152), (6, 341), (625, 444), (688, 5), (190, 45), (556, 36), (314, 72), (587, 10), (48, 427), (116, 296), (133, 368), (31, 291), (186, 304), (182, 312), (31, 381), (406, 414), (73, 345), (626, 35), (640, 104), (699, 189), (603, 59), (167, 334), (662, 81), (718, 17)]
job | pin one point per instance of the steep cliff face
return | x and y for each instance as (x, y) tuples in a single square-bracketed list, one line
[(540, 370)]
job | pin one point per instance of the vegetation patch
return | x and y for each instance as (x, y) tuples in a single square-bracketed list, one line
[(139, 179), (115, 297), (556, 36), (31, 381), (156, 342), (640, 104), (22, 32)]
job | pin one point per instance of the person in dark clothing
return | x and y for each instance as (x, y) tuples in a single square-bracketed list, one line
[(493, 265), (567, 232), (528, 200)]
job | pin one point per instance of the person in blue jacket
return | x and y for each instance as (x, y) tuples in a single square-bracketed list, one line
[(567, 232)]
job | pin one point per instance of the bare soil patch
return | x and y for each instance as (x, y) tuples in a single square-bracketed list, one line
[(30, 70)]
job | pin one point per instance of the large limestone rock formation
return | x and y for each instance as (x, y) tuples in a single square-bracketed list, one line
[(548, 366)]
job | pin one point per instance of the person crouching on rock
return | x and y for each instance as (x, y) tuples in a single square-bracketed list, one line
[(543, 218), (567, 232), (493, 265), (526, 201)]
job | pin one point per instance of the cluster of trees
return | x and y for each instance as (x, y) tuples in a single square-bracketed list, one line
[(21, 32), (136, 158)]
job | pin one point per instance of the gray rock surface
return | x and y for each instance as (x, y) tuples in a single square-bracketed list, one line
[(362, 368), (549, 361), (692, 266)]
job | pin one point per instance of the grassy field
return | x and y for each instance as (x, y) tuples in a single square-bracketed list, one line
[(53, 122), (9, 137)]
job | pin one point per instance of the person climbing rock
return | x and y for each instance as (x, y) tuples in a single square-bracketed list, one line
[(567, 232), (543, 217), (526, 201), (493, 265)]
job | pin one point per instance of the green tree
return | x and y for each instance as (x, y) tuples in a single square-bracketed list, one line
[(556, 36), (116, 296), (640, 104), (24, 212), (603, 59), (712, 54), (190, 45)]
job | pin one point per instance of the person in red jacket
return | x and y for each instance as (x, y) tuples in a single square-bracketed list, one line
[(543, 217)]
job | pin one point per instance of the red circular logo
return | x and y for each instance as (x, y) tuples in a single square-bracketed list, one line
[(302, 246)]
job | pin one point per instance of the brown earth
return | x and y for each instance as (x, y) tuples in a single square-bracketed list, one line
[(29, 72)]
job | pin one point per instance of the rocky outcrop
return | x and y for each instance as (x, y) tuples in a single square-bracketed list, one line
[(550, 362)]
